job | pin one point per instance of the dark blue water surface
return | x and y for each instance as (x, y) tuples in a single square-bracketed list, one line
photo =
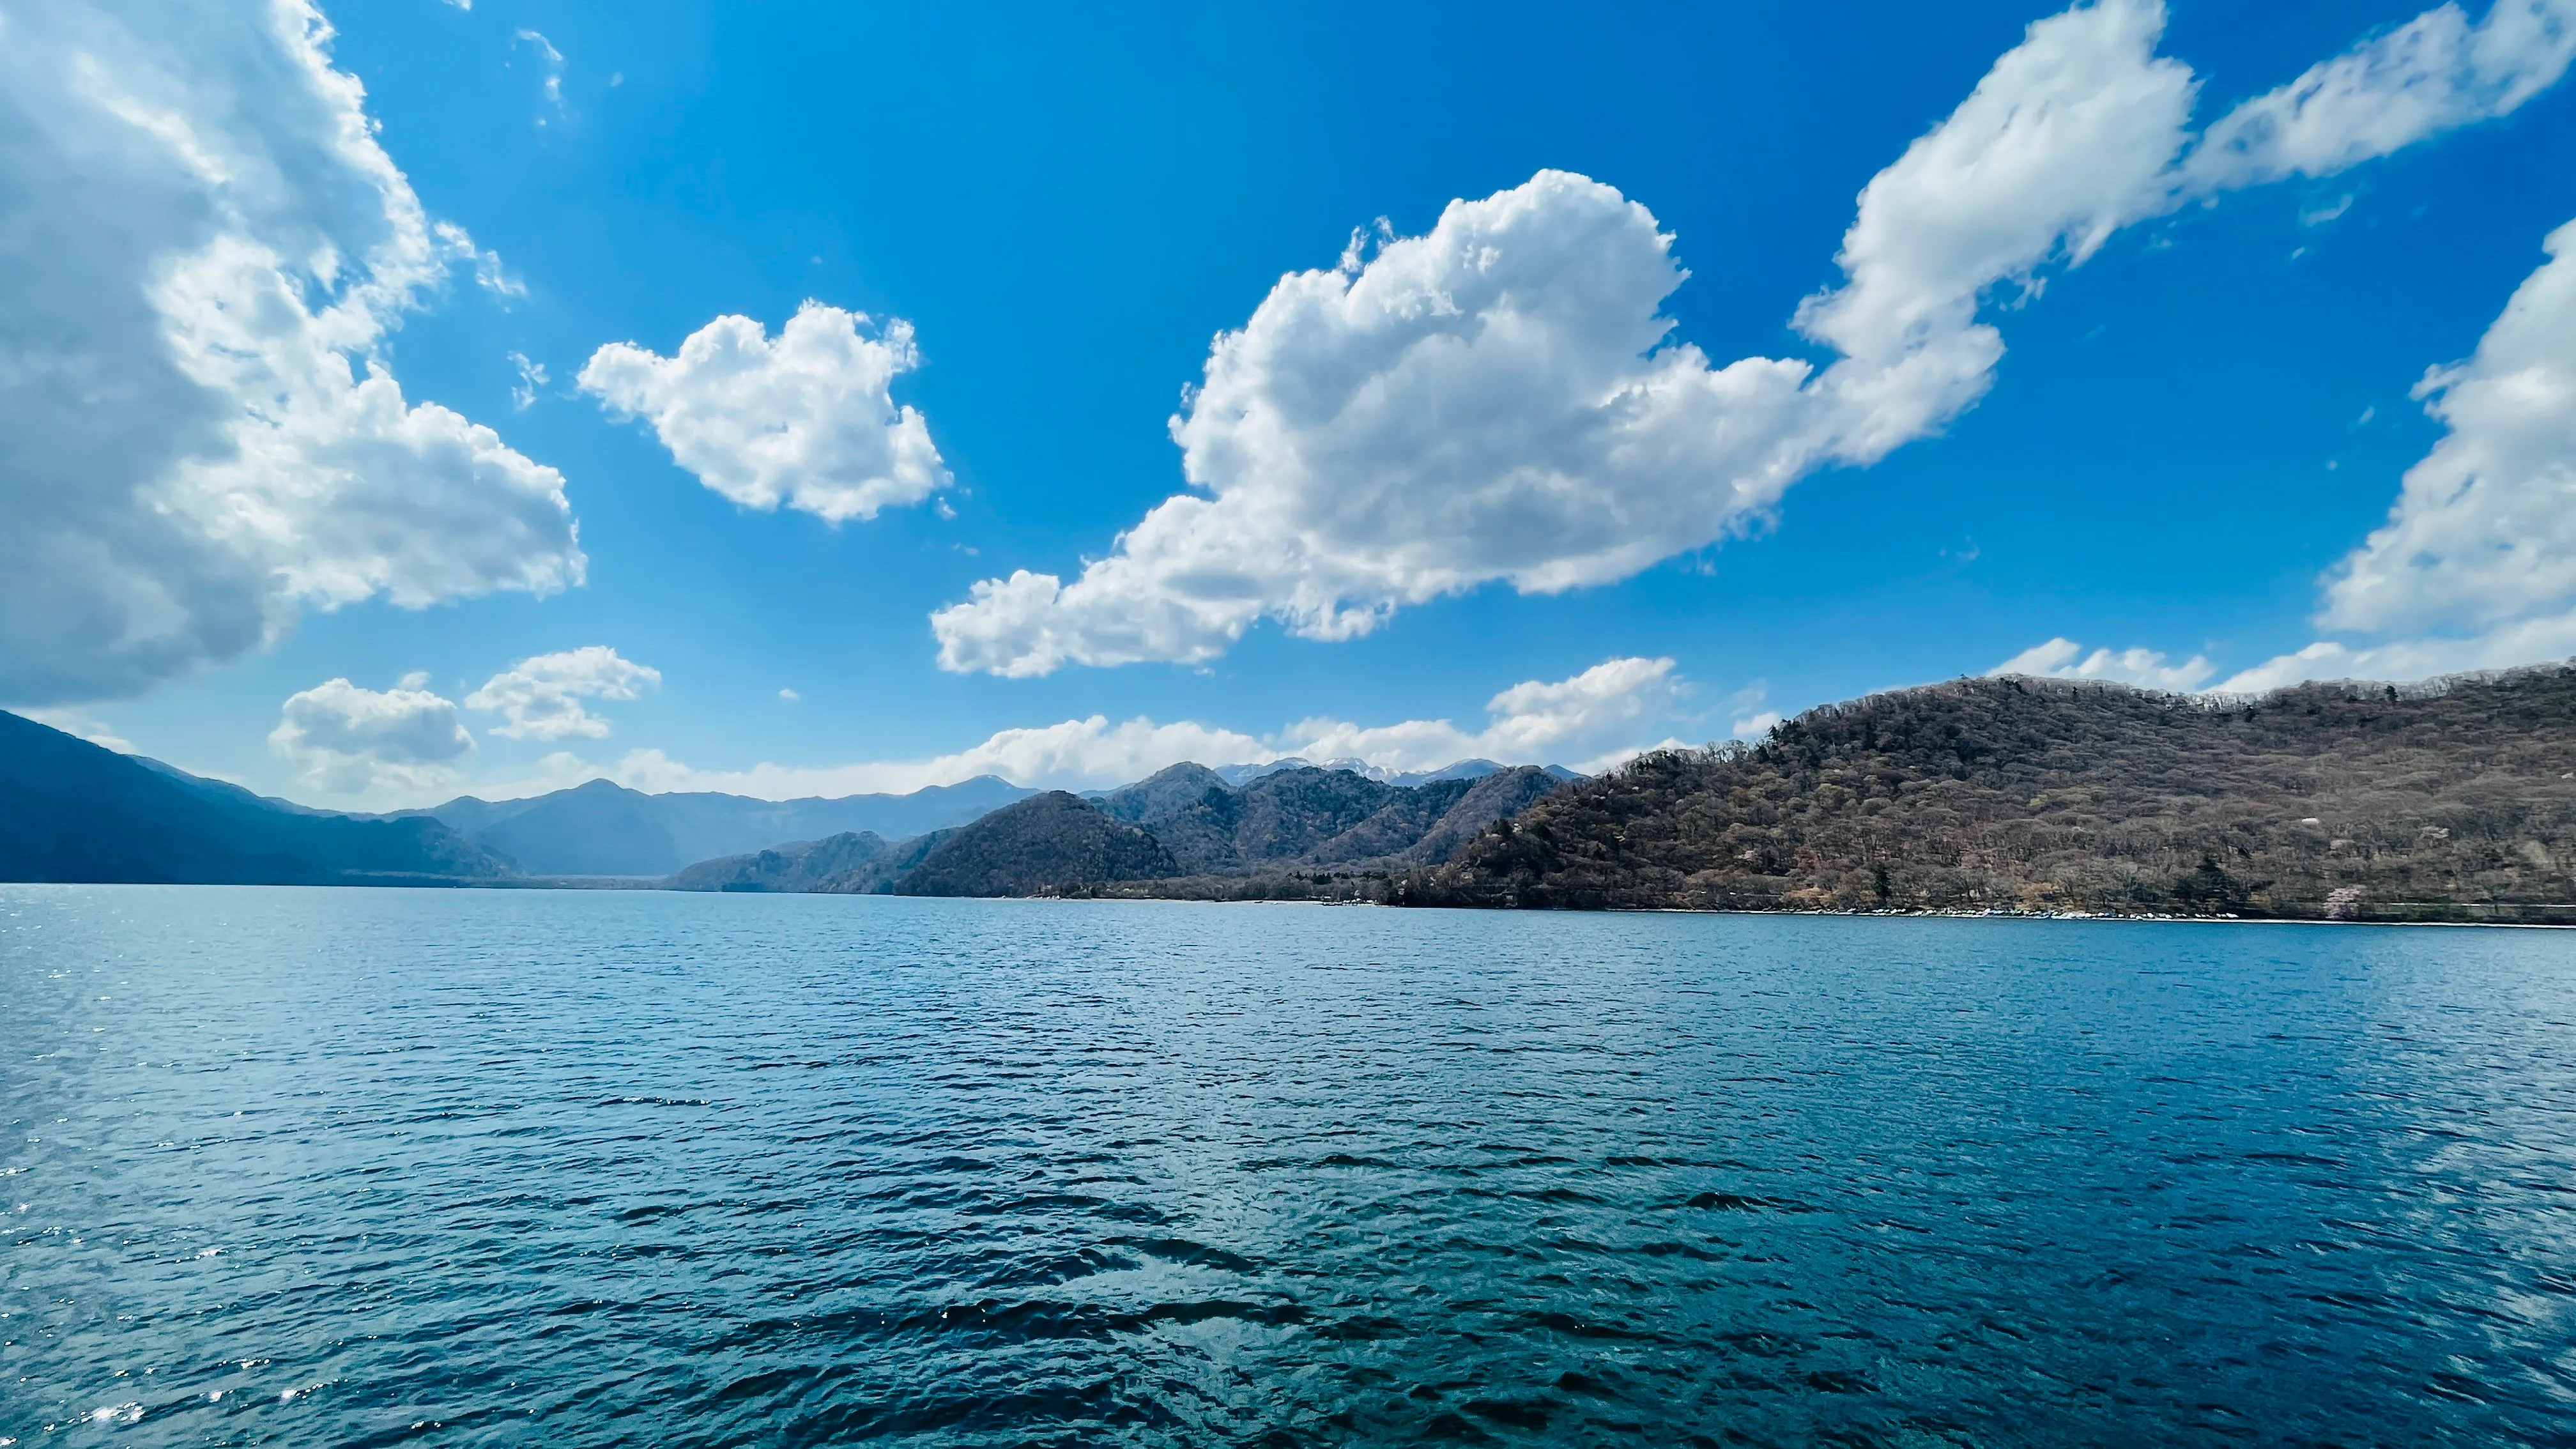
[(356, 1167)]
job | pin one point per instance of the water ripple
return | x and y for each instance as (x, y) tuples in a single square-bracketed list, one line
[(374, 1168)]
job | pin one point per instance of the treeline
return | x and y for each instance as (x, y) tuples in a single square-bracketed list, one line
[(2451, 800)]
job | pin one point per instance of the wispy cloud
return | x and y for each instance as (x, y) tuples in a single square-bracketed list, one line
[(1594, 719), (553, 62), (532, 376), (2066, 659)]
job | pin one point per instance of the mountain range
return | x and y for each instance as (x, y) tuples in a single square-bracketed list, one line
[(603, 829), (74, 811), (1186, 823), (2452, 799), (600, 828)]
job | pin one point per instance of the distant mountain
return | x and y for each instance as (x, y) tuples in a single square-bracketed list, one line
[(2450, 800), (1246, 774), (1050, 842), (734, 823), (1160, 793), (801, 866), (1463, 770), (597, 828), (1182, 824), (603, 829), (71, 811)]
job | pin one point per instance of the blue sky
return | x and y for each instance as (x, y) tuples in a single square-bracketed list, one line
[(2204, 405)]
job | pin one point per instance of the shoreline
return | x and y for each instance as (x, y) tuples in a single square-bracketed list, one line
[(596, 885), (2108, 917)]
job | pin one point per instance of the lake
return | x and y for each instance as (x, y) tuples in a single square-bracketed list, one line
[(373, 1167)]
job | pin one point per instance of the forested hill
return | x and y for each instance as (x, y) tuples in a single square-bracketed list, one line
[(2454, 799)]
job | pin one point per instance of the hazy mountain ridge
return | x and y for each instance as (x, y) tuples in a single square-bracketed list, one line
[(600, 828), (2348, 800), (74, 811)]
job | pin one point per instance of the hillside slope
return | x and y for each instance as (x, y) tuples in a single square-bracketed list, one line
[(1183, 825), (2344, 800), (1047, 843), (1501, 795), (805, 865), (1304, 818), (71, 811)]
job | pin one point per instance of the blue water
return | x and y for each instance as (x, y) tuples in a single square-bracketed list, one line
[(354, 1167)]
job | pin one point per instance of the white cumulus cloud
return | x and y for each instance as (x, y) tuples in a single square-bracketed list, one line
[(2484, 531), (200, 433), (2064, 140), (807, 420), (1589, 722), (1489, 400), (1603, 715), (2066, 659), (1500, 399), (351, 741), (540, 698), (2530, 641), (2476, 566)]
